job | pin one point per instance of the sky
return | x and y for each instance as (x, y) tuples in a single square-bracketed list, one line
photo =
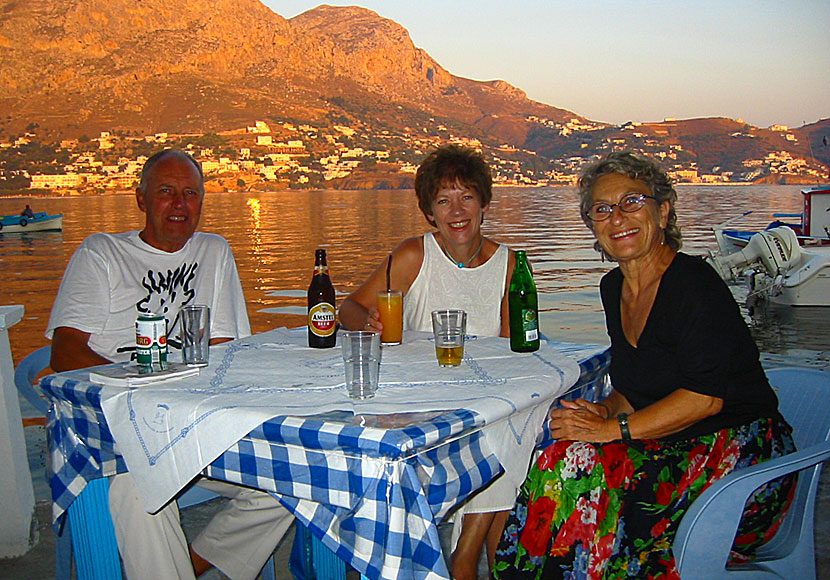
[(764, 61)]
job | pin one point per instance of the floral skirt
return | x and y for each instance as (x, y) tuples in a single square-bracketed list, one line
[(592, 511)]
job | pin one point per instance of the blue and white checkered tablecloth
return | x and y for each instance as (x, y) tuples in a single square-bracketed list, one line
[(373, 488)]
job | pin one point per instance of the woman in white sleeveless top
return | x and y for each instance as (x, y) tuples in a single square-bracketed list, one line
[(453, 267)]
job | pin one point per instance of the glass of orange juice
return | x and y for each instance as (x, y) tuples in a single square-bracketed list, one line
[(390, 308)]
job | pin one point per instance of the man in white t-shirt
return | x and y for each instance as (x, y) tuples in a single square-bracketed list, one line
[(110, 280)]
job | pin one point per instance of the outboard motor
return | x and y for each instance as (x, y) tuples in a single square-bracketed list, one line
[(776, 251)]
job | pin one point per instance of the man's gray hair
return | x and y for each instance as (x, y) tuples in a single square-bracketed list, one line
[(155, 159)]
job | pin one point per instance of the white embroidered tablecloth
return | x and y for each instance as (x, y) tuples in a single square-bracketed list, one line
[(168, 432)]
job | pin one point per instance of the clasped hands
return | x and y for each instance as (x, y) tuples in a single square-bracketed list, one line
[(581, 420)]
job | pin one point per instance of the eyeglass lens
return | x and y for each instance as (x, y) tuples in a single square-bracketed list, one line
[(629, 204)]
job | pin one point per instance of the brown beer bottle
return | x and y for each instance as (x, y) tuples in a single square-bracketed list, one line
[(321, 311)]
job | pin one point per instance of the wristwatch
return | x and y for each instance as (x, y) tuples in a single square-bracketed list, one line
[(622, 419)]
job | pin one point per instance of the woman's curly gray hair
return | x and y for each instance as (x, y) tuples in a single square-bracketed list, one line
[(641, 169)]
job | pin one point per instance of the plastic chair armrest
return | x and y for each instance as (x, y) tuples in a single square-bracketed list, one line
[(25, 373), (707, 530)]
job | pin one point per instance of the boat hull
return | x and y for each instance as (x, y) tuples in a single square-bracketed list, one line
[(22, 225), (778, 268), (730, 241), (812, 229), (809, 284)]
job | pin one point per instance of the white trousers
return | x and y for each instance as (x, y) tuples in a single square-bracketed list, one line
[(238, 540)]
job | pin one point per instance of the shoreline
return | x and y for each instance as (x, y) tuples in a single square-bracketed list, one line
[(39, 194)]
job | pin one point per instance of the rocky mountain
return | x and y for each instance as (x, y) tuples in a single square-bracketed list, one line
[(78, 67), (81, 66)]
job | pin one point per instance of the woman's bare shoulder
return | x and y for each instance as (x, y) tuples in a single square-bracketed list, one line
[(410, 247), (407, 259)]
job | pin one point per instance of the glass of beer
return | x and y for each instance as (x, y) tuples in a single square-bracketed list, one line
[(390, 308), (448, 329)]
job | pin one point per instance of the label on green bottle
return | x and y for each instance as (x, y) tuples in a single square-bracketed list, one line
[(530, 324)]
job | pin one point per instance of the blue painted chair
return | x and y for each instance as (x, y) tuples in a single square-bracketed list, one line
[(312, 560), (25, 373), (93, 536), (703, 541), (87, 532)]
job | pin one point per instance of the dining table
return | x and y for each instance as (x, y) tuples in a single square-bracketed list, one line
[(372, 478)]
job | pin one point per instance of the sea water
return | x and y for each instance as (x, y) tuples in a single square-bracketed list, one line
[(272, 235)]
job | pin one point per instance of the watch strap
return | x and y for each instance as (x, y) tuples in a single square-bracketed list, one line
[(622, 419)]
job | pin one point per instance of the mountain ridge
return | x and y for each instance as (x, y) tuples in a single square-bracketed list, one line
[(121, 66), (79, 67)]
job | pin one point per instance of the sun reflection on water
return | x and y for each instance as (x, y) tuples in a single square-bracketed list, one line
[(273, 236)]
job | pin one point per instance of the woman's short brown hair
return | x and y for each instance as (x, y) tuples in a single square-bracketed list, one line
[(450, 165)]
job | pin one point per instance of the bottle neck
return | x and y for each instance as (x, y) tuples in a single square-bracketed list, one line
[(522, 280), (320, 265)]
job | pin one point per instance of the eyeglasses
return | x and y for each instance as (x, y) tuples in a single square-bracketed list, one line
[(630, 203)]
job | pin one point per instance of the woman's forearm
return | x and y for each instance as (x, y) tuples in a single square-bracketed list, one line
[(353, 315), (584, 421), (615, 404), (672, 414)]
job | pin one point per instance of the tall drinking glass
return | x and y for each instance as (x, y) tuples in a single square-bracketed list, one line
[(361, 358), (195, 319), (390, 308), (448, 329)]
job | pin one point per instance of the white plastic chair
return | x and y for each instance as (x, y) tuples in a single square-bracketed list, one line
[(704, 539)]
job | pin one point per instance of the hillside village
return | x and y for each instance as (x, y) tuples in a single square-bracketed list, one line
[(335, 98), (273, 155)]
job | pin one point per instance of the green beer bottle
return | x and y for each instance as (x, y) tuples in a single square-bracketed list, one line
[(524, 307)]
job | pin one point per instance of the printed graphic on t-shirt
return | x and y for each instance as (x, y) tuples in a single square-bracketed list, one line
[(167, 292)]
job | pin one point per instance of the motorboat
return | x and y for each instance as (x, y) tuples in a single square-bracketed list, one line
[(812, 227), (39, 222), (777, 268)]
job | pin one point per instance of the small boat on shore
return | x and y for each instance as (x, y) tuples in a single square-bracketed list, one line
[(40, 222), (811, 229)]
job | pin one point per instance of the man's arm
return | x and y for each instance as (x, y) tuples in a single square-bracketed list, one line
[(70, 350)]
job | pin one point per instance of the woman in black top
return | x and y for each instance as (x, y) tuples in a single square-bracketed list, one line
[(690, 403)]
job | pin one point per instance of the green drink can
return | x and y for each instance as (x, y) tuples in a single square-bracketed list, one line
[(151, 341)]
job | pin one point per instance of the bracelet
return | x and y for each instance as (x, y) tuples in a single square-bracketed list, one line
[(622, 419)]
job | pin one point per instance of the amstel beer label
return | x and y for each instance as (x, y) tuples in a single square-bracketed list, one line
[(321, 319)]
